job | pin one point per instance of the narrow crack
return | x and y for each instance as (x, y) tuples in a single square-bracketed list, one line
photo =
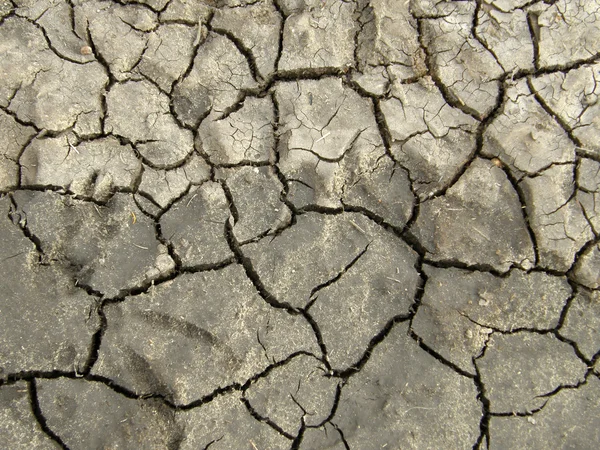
[(19, 218), (38, 414), (438, 356), (335, 278), (252, 274), (267, 86), (96, 342), (534, 31), (245, 51), (375, 341), (265, 420), (483, 440)]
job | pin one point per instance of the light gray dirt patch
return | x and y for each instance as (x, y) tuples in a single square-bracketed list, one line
[(210, 325), (46, 322), (257, 27), (116, 32), (519, 369), (185, 11), (13, 137), (299, 224), (195, 226), (556, 217), (573, 97), (582, 322), (459, 309), (256, 193), (461, 62), (568, 420), (326, 437), (506, 35), (61, 95), (588, 194), (389, 36), (537, 140), (245, 136), (332, 152), (19, 68), (586, 270), (294, 394), (225, 424), (420, 402), (67, 402), (378, 287), (429, 137), (374, 182), (218, 73), (65, 43), (568, 31), (481, 215), (93, 169), (166, 56), (164, 186), (318, 248), (147, 123), (321, 34), (19, 428), (110, 248)]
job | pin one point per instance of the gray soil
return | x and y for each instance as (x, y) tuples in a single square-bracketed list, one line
[(299, 224)]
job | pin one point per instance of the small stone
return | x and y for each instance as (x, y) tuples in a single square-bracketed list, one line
[(86, 50), (497, 162)]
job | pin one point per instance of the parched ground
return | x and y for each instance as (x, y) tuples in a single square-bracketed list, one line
[(299, 224)]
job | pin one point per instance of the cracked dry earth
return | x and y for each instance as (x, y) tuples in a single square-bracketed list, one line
[(299, 224)]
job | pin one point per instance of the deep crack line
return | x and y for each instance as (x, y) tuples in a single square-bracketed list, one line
[(39, 416), (268, 87)]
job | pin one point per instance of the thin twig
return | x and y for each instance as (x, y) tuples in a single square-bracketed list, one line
[(357, 227)]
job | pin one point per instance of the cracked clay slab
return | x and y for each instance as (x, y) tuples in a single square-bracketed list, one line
[(147, 124), (211, 325), (319, 35), (556, 216), (581, 323), (196, 226), (481, 215), (379, 285), (224, 424), (19, 428), (46, 322), (293, 264), (256, 193), (478, 303), (568, 420), (519, 370), (110, 248), (67, 403), (89, 169), (296, 394), (416, 398)]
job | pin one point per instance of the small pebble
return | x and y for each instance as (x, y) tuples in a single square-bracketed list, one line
[(86, 50)]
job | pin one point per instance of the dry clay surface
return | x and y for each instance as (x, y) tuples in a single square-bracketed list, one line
[(299, 224)]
